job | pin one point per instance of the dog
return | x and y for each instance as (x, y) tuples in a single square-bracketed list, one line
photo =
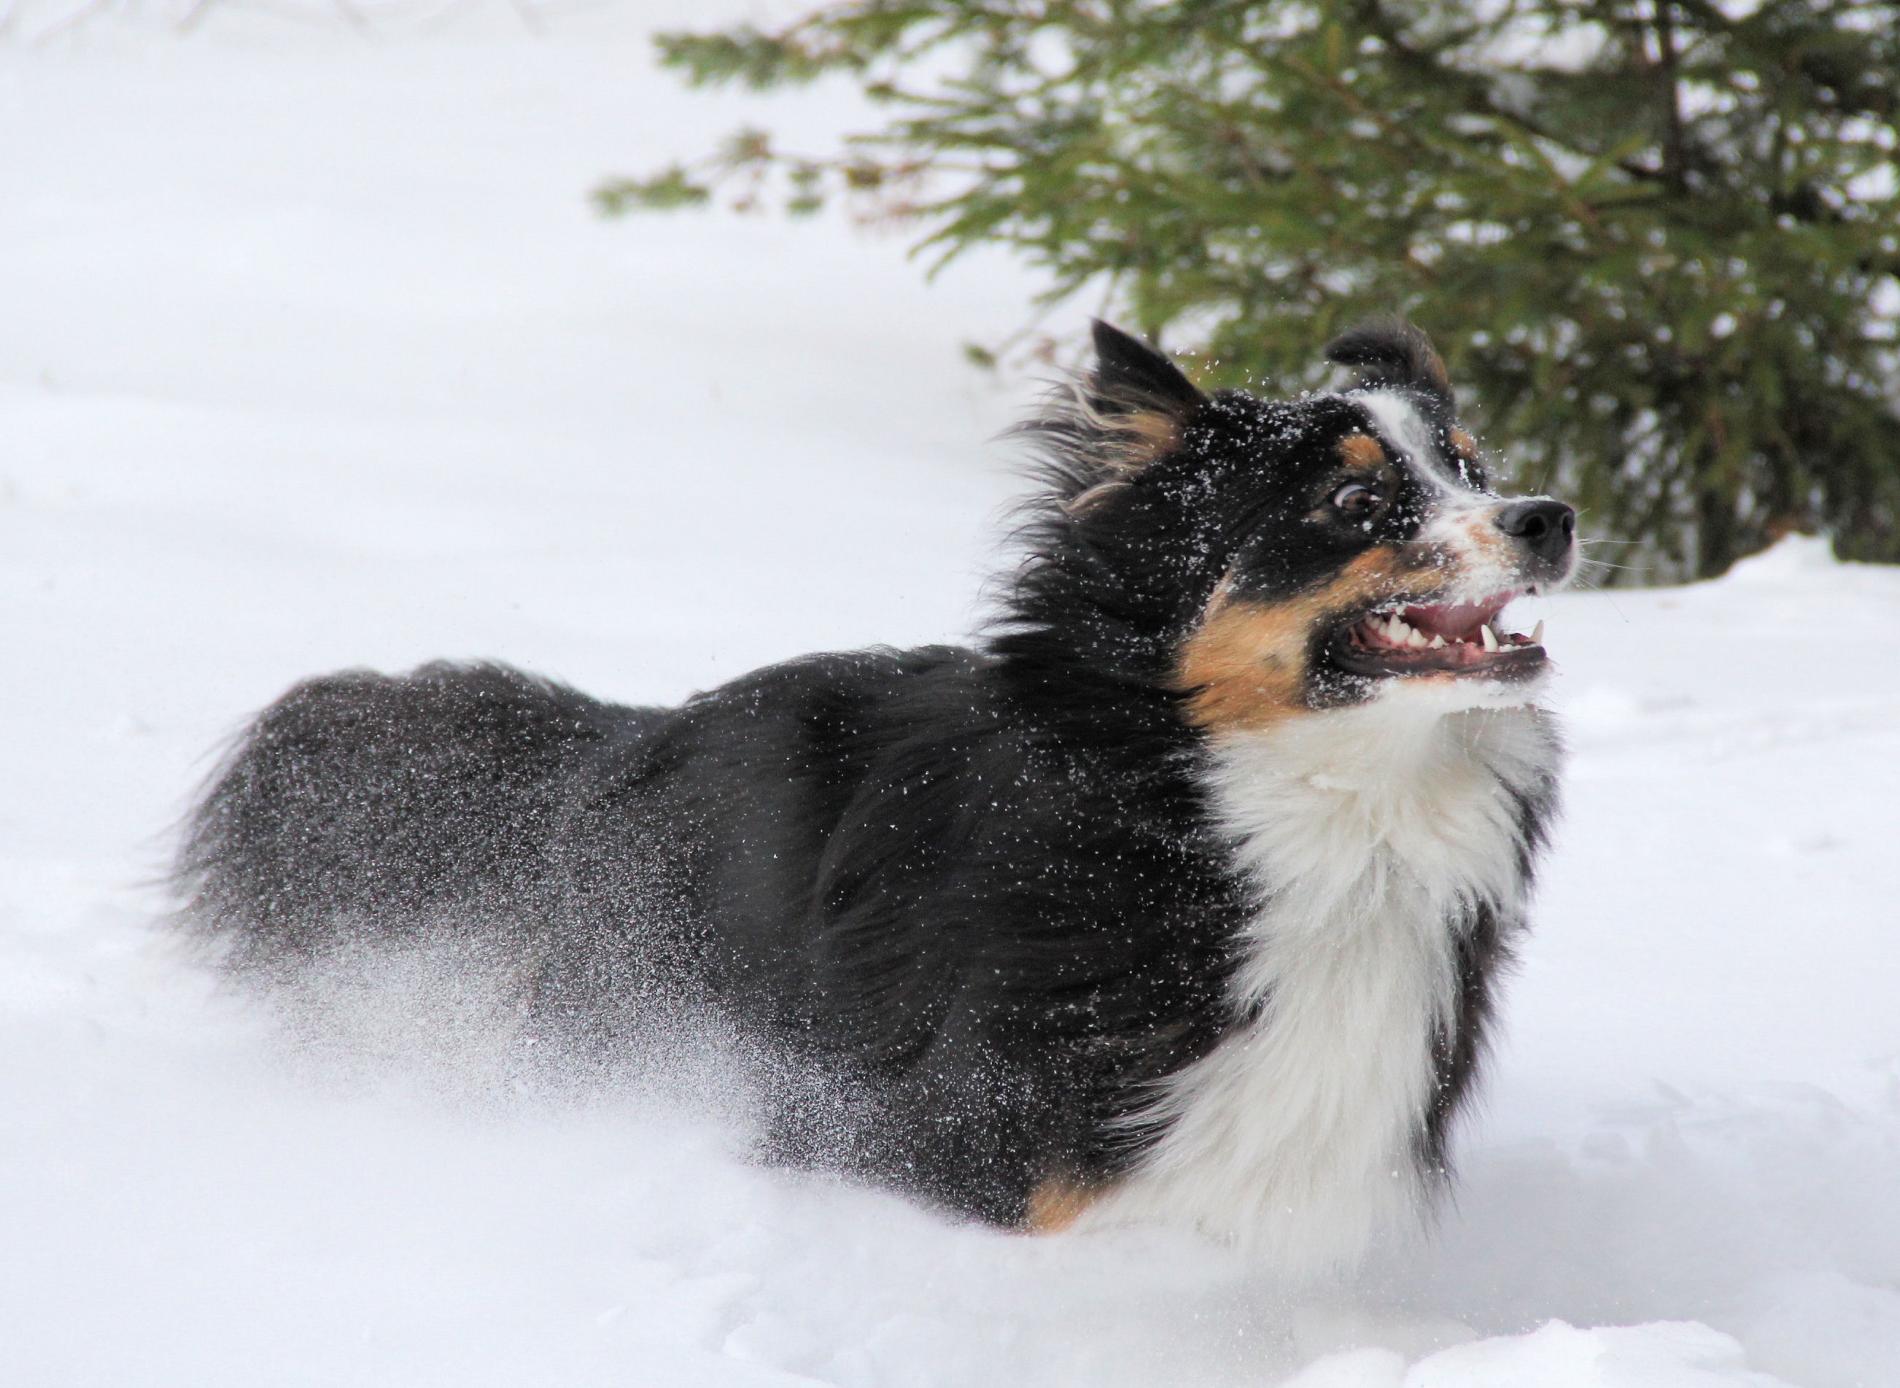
[(1184, 897)]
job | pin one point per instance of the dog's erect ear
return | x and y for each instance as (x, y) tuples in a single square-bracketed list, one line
[(1131, 376), (1391, 352), (1101, 430)]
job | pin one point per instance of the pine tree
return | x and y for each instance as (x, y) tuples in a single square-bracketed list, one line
[(1659, 240)]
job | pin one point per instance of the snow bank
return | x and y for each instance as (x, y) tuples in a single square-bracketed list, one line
[(1555, 1356), (316, 357)]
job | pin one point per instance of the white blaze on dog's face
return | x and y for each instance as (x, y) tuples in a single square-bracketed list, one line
[(1370, 559), (1464, 515)]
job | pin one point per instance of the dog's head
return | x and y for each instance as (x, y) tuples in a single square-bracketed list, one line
[(1308, 553)]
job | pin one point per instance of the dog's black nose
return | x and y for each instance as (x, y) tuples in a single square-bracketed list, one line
[(1546, 526)]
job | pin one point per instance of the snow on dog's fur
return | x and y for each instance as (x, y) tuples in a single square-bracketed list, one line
[(1183, 897)]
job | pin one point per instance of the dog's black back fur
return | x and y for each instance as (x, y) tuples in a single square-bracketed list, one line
[(935, 901)]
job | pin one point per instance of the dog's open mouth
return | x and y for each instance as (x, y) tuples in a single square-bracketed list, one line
[(1457, 639)]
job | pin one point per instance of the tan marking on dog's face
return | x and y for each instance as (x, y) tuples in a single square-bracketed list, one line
[(1245, 666), (1362, 451), (1481, 531), (1473, 545), (1466, 445), (1058, 1202)]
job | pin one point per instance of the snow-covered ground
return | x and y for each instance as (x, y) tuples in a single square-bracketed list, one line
[(312, 354)]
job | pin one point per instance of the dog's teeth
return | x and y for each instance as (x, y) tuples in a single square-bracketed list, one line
[(1537, 634), (1438, 643), (1417, 640), (1489, 636)]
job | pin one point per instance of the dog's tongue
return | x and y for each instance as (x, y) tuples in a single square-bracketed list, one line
[(1455, 621)]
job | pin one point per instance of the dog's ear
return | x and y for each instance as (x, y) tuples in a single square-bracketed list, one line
[(1390, 352), (1134, 404), (1130, 377), (1105, 426)]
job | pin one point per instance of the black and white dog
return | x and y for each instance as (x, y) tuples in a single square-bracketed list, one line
[(1182, 898)]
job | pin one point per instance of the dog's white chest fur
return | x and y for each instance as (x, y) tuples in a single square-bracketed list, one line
[(1369, 834)]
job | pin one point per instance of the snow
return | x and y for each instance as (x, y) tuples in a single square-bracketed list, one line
[(316, 356)]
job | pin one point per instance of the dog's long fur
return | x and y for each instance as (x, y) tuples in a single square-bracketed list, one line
[(1183, 897)]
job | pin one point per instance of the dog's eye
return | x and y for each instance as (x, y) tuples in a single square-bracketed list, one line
[(1356, 499)]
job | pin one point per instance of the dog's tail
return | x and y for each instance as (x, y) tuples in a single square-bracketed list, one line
[(362, 808)]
